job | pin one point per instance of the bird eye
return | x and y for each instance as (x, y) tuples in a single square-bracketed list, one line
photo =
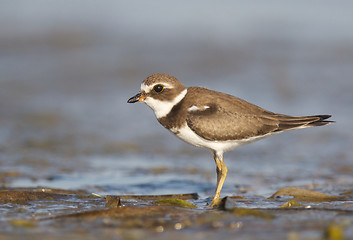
[(158, 88)]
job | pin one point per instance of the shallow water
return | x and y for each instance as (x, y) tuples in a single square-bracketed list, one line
[(66, 77)]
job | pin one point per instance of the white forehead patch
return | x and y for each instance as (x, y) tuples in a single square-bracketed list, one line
[(162, 108), (147, 88)]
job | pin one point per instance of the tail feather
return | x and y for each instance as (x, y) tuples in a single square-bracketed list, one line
[(286, 122)]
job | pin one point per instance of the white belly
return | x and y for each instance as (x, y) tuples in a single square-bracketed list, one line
[(187, 135)]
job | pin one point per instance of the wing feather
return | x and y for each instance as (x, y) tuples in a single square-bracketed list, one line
[(219, 117), (228, 118)]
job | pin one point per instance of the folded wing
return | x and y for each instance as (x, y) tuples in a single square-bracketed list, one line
[(236, 119)]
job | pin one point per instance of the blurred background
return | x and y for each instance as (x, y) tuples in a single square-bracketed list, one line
[(68, 67)]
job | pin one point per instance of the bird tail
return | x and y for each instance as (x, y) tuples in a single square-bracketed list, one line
[(288, 122)]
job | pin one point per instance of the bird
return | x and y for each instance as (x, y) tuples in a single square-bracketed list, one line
[(214, 120)]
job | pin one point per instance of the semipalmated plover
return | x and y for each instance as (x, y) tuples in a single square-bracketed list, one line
[(214, 120)]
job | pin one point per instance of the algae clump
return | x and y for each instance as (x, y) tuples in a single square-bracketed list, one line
[(174, 202)]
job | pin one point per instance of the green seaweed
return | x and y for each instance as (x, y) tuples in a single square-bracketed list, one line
[(249, 212), (334, 232), (291, 204), (174, 202), (305, 195), (23, 223)]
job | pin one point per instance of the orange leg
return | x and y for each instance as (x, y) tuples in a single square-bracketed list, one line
[(221, 176)]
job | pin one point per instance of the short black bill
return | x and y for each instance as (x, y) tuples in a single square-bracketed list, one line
[(135, 98)]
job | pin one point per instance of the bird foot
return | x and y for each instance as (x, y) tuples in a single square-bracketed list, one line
[(216, 202)]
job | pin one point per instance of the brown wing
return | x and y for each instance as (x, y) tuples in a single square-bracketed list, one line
[(219, 116), (224, 117), (216, 123)]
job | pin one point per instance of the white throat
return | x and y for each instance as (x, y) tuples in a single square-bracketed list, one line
[(162, 108)]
